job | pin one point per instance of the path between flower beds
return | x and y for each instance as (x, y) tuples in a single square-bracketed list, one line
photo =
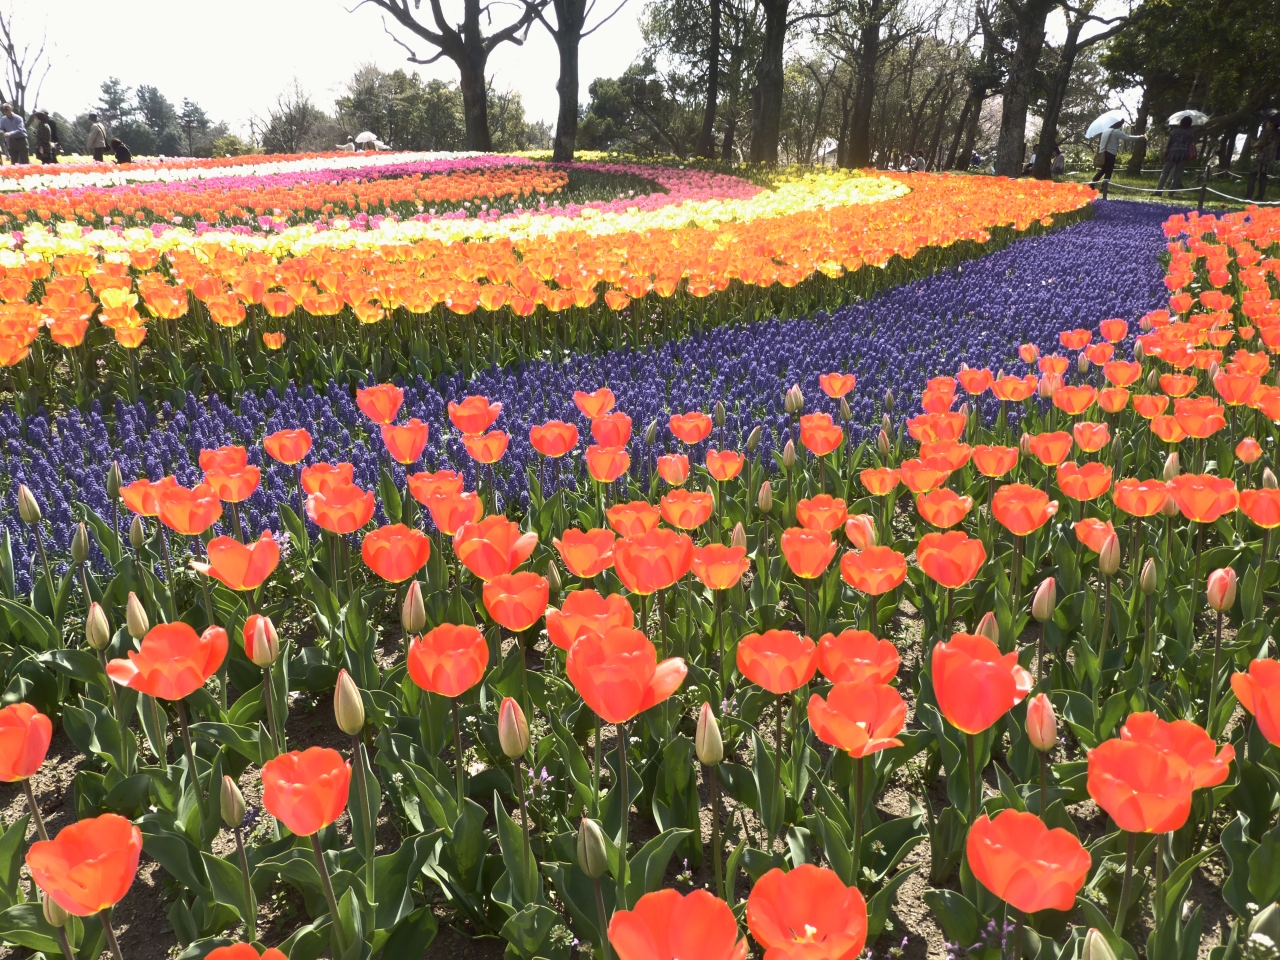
[(977, 313)]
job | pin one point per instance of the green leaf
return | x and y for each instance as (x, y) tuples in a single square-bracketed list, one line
[(646, 869), (24, 925), (227, 882), (12, 850), (879, 904), (956, 915), (411, 936), (529, 929), (522, 866)]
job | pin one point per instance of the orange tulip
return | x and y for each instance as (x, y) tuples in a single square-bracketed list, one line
[(720, 567), (1140, 498), (1074, 401), (381, 403), (1248, 451), (859, 718), (586, 611), (994, 462), (618, 674), (724, 465), (943, 508), (423, 486), (89, 866), (1050, 448), (1203, 498), (607, 464), (950, 559), (1113, 331), (1258, 691), (1075, 339), (1262, 507), (836, 385), (879, 480), (820, 434), (586, 553), (874, 571), (921, 476), (686, 509), (25, 733), (1022, 509), (1150, 405), (935, 427), (1113, 399), (405, 442), (516, 600), (611, 430), (554, 438), (633, 519), (653, 561), (668, 926), (807, 914), (1028, 352), (1091, 437), (823, 512), (341, 510), (974, 683), (323, 477), (449, 660), (856, 655), (1094, 533), (1122, 373), (954, 454), (1141, 787), (306, 790), (1199, 417), (234, 487), (1235, 389), (595, 404), (450, 512), (474, 415), (172, 662), (244, 951), (1025, 864), (229, 459), (140, 496), (189, 512), (777, 660), (395, 552), (1168, 429), (1014, 389), (1084, 483), (860, 529), (493, 546), (1185, 740), (1178, 384), (674, 468), (975, 382), (807, 552), (239, 566), (287, 446), (488, 447), (693, 427)]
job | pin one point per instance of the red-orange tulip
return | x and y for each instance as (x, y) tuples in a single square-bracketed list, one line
[(1235, 389), (874, 571), (619, 676), (423, 486), (1143, 789), (859, 718), (974, 683), (25, 733), (1050, 448), (921, 476), (172, 662), (306, 790), (686, 509), (654, 561), (234, 487), (633, 519), (1094, 533), (1203, 497), (1091, 437), (554, 438), (1199, 417), (975, 381), (667, 926), (1178, 384), (287, 446), (595, 404), (230, 459), (992, 461), (879, 480), (396, 552), (493, 546), (1022, 509), (943, 508), (807, 914), (724, 464), (488, 447), (1113, 331), (450, 512), (856, 655), (607, 464), (586, 552), (1262, 507), (777, 660), (935, 427), (950, 559), (836, 385), (323, 477), (693, 427), (1258, 691), (720, 567), (1168, 429), (1025, 864), (341, 510), (240, 566), (140, 496), (954, 454), (1014, 389), (245, 951), (89, 866), (1122, 373), (189, 512), (1150, 405), (1140, 498), (673, 468), (611, 430), (474, 415), (1075, 400), (1113, 399), (1084, 483), (820, 434), (808, 552), (1248, 451), (516, 600), (586, 611), (405, 442), (381, 403), (823, 512), (1075, 339), (449, 660), (1185, 740)]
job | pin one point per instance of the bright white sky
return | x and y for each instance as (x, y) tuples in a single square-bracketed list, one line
[(234, 56)]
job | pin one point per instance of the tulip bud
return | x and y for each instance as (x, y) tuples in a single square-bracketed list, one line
[(114, 480), (1096, 947), (707, 742), (753, 439), (1148, 579), (861, 531), (1170, 508), (1042, 723), (593, 857), (1109, 557), (135, 617), (28, 509), (1117, 445), (1267, 924), (97, 631), (80, 544), (266, 643), (964, 410), (651, 433), (553, 578), (739, 537), (765, 500), (413, 615), (1153, 380), (1172, 466), (1082, 363), (793, 400), (1024, 445), (845, 413), (348, 707), (789, 455), (513, 729), (717, 413), (1269, 479), (987, 627), (1046, 598), (54, 915), (137, 533), (882, 444), (885, 423), (1213, 371), (888, 401), (1048, 385), (1139, 351), (1221, 589), (232, 803), (1146, 325)]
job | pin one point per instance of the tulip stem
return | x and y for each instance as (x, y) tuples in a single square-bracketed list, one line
[(1016, 575), (1148, 650), (459, 768), (974, 793), (168, 573), (625, 812), (1126, 886), (190, 752), (65, 944), (873, 614), (1213, 677), (1044, 782), (1016, 954), (602, 920), (269, 694), (716, 846), (808, 588), (235, 521), (524, 806), (111, 937), (250, 902), (35, 809), (1102, 646), (724, 680), (595, 806), (335, 923), (859, 790), (1157, 906), (777, 767), (44, 560), (361, 759)]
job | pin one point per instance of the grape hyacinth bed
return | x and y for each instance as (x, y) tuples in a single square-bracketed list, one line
[(977, 314)]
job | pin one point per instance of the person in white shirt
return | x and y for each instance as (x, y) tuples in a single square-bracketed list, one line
[(1108, 146)]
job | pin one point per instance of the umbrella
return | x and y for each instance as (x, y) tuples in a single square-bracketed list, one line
[(1105, 121), (366, 137), (1198, 119)]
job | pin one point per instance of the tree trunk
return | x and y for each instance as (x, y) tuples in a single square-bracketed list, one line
[(475, 102), (567, 37), (707, 138), (953, 155), (766, 118), (1031, 16), (1041, 170), (864, 100), (1139, 156), (971, 135)]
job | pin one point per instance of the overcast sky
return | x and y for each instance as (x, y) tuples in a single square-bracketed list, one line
[(234, 56)]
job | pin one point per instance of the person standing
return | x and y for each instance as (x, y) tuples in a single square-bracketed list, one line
[(46, 135), (97, 139), (1263, 159), (1108, 146), (15, 134), (1179, 149), (1059, 165)]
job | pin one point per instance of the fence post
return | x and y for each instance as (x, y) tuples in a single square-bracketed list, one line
[(1204, 192), (1105, 184)]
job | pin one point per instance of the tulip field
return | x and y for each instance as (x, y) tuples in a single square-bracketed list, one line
[(447, 555)]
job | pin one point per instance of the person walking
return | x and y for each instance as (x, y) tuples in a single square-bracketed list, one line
[(46, 135), (1180, 149), (15, 134), (1109, 144), (1263, 159), (96, 143)]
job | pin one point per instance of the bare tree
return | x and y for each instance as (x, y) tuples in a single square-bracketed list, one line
[(466, 45), (25, 68)]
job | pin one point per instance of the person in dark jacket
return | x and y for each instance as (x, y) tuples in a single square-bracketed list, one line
[(1264, 158), (1176, 154), (46, 138), (122, 151)]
